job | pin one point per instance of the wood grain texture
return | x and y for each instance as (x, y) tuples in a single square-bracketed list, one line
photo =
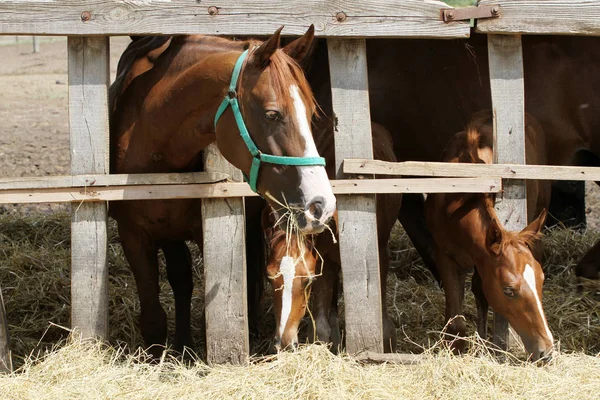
[(226, 308), (508, 103), (5, 354), (94, 181), (459, 170), (88, 123), (404, 18), (556, 17), (239, 189), (356, 214)]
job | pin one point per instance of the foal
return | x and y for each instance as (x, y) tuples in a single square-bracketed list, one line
[(467, 233), (296, 266)]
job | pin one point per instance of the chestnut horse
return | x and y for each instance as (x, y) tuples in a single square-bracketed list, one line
[(467, 234), (424, 91), (173, 97), (293, 273)]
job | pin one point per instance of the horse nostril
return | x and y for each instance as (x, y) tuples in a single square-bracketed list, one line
[(315, 207)]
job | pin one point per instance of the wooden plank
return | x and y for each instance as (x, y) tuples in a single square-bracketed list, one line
[(392, 18), (508, 104), (556, 17), (89, 78), (226, 308), (238, 189), (391, 358), (357, 217), (460, 170), (74, 181), (5, 354)]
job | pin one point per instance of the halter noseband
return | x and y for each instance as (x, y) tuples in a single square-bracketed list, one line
[(257, 156)]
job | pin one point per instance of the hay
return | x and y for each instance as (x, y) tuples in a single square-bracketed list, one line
[(35, 277), (93, 371)]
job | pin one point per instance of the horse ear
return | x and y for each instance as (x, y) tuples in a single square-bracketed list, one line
[(536, 225), (265, 51), (301, 48), (493, 238)]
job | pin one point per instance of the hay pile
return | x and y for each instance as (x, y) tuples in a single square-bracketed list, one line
[(35, 279), (93, 371)]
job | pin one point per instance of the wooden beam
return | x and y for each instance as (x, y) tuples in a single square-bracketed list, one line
[(89, 77), (368, 18), (508, 103), (5, 354), (552, 17), (239, 189), (357, 216), (224, 253), (391, 358), (94, 181), (441, 169)]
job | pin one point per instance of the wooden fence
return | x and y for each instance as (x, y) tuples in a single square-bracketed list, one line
[(346, 24)]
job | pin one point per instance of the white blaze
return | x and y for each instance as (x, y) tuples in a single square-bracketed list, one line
[(313, 179), (287, 269), (529, 276)]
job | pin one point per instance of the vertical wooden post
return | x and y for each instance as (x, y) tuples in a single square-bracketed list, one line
[(88, 123), (36, 44), (226, 307), (356, 213), (5, 356), (508, 101)]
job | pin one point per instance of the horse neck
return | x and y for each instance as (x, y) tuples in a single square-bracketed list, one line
[(473, 227)]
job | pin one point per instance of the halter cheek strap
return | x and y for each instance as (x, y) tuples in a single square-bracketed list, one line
[(257, 156)]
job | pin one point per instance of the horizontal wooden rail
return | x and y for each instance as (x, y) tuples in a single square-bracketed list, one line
[(440, 169), (74, 181), (123, 191), (347, 18), (555, 17)]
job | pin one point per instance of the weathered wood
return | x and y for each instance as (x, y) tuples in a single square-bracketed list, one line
[(556, 17), (356, 214), (88, 121), (407, 18), (459, 170), (226, 308), (508, 103), (94, 181), (238, 189), (391, 358), (36, 44), (5, 354)]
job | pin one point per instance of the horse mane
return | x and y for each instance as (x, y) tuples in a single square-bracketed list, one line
[(285, 71)]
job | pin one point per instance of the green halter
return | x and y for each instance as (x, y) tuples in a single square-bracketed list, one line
[(257, 156)]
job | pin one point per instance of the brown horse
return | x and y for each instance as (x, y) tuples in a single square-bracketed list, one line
[(167, 105), (294, 273), (467, 233), (431, 88)]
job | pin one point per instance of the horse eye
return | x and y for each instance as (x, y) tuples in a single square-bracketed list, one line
[(509, 292), (272, 115)]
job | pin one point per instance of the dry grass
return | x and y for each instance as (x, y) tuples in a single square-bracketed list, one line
[(34, 273), (93, 371)]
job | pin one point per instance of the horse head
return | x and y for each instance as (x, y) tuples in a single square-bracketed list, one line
[(512, 281), (268, 135)]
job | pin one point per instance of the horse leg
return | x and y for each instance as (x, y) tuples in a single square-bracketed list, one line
[(324, 296), (482, 304), (179, 273), (412, 218), (389, 330), (255, 256), (453, 282), (142, 255)]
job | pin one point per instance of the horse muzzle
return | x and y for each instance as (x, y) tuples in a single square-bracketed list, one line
[(317, 214)]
